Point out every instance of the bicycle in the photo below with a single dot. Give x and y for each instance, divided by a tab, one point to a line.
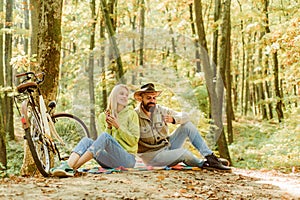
47	133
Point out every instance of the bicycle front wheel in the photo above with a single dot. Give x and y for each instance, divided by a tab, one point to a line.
71	130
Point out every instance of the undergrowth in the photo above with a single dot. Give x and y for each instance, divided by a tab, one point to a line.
257	145
15	155
265	145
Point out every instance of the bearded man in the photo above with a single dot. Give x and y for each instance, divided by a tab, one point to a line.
158	148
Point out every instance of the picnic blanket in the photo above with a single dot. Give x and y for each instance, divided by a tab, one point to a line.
140	166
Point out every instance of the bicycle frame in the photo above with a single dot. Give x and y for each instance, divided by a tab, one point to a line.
40	123
46	124
39	132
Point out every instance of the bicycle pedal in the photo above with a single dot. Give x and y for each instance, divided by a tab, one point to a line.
65	158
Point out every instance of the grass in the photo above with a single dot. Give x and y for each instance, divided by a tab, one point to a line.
257	145
265	145
15	155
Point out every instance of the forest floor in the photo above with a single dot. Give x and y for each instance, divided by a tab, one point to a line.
157	184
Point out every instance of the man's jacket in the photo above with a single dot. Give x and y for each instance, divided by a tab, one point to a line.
153	130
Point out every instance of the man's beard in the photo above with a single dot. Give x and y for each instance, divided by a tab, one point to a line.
148	106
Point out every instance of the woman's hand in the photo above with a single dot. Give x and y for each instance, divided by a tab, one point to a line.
107	115
111	121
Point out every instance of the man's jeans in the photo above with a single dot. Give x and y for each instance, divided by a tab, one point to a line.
106	151
175	154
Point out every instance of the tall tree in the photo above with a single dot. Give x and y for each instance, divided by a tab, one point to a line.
133	20
225	69
3	157
260	85
142	33
216	91
26	25
217	13
243	61
46	43
102	63
247	76
34	16
197	56
91	71
279	103
9	122
49	45
111	34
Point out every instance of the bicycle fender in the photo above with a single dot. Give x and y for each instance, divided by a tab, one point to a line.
24	116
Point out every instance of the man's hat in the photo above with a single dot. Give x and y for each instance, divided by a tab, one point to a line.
147	88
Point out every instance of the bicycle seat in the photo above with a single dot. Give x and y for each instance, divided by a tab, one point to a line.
24	86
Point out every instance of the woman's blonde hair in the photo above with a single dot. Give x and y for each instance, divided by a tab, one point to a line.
112	99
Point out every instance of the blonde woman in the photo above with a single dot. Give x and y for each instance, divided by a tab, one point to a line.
116	145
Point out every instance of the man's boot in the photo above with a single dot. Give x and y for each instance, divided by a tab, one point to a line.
224	161
213	163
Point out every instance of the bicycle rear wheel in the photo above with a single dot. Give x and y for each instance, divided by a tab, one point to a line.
37	142
71	130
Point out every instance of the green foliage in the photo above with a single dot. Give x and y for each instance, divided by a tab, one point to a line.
21	62
267	145
257	145
15	154
200	93
2	172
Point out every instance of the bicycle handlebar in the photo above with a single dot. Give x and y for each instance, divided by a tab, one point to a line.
36	76
24	74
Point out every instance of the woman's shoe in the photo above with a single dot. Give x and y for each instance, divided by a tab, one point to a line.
64	170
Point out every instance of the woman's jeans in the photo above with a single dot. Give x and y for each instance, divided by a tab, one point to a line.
175	154
106	151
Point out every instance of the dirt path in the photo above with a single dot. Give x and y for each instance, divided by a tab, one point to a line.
156	184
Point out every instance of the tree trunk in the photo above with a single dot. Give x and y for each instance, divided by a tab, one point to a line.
26	25
243	81
269	96
9	119
142	34
132	20
102	65
260	85
261	89
279	103
247	84
217	10
113	42
49	45
227	36
224	63
34	13
3	157
46	42
197	55
295	93
173	42
28	166
91	73
215	90
266	64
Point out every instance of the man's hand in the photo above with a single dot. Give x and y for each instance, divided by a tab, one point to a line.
168	119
